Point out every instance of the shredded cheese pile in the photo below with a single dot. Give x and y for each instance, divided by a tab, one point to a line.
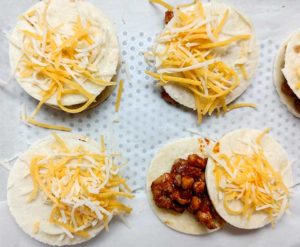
188	58
59	63
83	187
251	181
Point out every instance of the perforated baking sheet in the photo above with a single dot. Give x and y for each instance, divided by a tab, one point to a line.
146	122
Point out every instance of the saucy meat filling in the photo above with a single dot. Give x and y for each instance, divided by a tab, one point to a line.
168	98
168	16
285	88
184	188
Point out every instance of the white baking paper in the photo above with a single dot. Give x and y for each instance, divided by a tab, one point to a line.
146	122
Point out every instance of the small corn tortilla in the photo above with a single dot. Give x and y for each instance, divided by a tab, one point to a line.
66	11
236	141
162	162
279	79
236	23
20	185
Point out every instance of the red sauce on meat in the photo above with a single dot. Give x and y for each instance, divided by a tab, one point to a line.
184	188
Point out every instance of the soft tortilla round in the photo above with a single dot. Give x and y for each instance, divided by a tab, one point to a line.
235	141
292	62
279	79
66	11
20	185
236	23
162	162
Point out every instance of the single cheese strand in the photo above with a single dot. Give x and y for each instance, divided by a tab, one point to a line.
70	110
221	24
33	35
162	3
45	98
201	8
262	135
102	142
114	194
239	105
61	143
183	69
35	190
172	78
224	42
45	125
196	37
36	227
198	107
229	209
119	95
244	71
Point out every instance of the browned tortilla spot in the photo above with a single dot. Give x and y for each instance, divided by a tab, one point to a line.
297	48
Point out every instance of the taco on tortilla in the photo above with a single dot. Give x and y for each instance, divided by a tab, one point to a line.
176	187
286	73
205	56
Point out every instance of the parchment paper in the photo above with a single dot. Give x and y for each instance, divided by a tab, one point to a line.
146	122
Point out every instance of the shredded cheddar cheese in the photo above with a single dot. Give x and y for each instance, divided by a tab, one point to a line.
59	64
119	95
83	187
251	182
187	54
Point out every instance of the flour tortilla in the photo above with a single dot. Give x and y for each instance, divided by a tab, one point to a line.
236	24
162	162
279	79
66	11
292	62
235	141
20	185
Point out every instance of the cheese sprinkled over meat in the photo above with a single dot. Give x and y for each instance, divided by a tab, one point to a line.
188	53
